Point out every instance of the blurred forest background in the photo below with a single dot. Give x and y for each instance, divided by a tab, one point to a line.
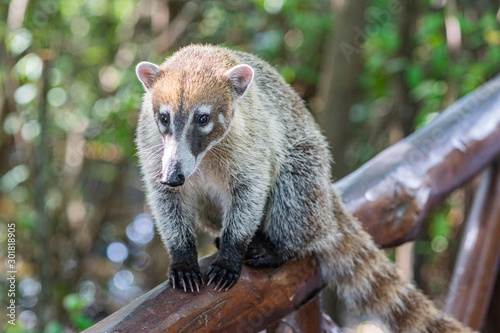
371	72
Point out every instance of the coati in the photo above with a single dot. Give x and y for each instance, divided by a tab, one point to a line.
224	142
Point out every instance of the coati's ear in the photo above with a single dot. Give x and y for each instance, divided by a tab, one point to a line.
147	73
240	76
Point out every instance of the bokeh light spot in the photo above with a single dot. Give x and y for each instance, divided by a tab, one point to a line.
141	230
25	93
117	252
123	279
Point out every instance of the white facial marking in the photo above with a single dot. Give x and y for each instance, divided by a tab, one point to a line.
188	160
222	120
207	128
187	127
204	109
175	152
169	152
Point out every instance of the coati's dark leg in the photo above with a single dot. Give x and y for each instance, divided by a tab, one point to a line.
299	204
240	222
259	248
225	270
262	252
175	223
184	272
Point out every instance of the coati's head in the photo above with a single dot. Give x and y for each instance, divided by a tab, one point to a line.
193	95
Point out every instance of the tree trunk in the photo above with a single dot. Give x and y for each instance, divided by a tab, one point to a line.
337	91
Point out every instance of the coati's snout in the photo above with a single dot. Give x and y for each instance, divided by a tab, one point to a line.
178	163
173	176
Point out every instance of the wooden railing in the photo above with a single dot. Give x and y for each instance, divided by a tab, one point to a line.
390	195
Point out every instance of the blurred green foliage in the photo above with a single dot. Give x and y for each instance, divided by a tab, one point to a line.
75	305
76	59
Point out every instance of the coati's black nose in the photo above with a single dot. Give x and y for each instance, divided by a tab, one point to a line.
174	178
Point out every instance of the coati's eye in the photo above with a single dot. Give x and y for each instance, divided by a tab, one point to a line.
164	119
203	119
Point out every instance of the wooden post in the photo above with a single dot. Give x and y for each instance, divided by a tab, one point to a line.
479	257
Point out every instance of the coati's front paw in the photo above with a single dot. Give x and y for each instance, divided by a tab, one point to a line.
187	278
261	252
224	274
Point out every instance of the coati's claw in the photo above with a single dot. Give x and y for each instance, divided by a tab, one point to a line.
198	280
222	276
210	280
212	273
228	282
186	280
231	285
190	282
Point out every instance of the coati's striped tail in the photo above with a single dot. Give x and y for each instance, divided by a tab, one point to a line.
371	284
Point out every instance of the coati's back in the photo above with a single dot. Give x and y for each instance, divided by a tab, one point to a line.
286	104
293	124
